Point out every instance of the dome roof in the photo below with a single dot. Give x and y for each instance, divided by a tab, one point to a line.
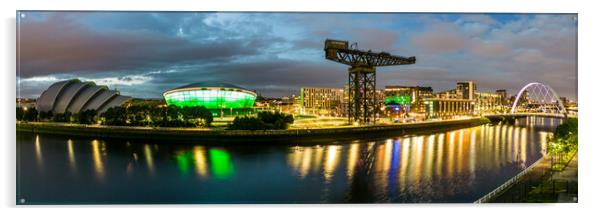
209	85
211	95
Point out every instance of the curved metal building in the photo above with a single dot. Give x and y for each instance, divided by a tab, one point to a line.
75	96
211	96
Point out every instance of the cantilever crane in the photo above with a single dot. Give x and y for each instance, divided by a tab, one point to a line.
362	104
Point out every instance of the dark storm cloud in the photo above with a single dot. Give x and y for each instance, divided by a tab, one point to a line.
143	54
267	77
58	44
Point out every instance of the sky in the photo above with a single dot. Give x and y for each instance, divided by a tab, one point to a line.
143	54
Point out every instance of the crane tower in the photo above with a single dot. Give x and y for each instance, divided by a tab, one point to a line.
362	104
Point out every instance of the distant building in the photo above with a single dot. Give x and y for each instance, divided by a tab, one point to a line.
486	102
447	108
449	94
410	98
26	103
322	100
288	100
288	104
466	90
564	101
503	95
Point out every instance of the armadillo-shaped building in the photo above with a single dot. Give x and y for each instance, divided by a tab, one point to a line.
75	96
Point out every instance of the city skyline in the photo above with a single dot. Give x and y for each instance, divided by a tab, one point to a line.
143	54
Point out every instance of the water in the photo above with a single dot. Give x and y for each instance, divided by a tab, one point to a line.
455	166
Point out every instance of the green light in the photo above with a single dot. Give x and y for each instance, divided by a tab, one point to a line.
221	165
401	99
211	98
183	160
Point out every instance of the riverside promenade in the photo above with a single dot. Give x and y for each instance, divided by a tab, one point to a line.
541	185
130	132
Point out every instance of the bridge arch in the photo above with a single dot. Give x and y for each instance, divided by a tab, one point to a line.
542	94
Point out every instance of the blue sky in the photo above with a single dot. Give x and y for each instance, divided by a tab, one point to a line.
143	54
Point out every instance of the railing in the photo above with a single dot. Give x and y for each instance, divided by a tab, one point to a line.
532	114
508	183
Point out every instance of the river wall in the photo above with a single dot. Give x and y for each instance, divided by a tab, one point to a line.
150	133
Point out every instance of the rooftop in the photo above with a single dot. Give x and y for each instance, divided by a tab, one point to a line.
210	84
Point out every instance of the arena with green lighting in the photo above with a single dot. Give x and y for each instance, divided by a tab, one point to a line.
211	96
398	99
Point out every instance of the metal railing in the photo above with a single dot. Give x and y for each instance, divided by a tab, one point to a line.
508	183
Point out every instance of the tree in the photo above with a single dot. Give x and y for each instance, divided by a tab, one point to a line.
86	116
139	115
115	116
276	120
247	123
158	116
30	114
566	129
263	121
20	113
197	115
46	115
62	117
173	113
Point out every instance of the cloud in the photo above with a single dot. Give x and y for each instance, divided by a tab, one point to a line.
491	49
60	45
479	18
143	54
529	56
441	38
271	77
376	39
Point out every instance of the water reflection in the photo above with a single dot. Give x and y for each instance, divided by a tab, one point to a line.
38	146
183	160
200	160
97	158
332	160
72	163
418	161
221	165
149	159
352	159
458	165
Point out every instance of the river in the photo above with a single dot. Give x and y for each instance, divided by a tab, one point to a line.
455	166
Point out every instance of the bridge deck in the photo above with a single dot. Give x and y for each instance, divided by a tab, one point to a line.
557	115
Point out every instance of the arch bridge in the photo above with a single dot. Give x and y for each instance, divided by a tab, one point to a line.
537	99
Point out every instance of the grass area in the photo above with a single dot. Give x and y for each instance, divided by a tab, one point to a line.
548	191
299	117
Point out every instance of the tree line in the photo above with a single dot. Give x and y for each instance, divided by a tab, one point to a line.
133	115
565	137
161	116
564	144
263	121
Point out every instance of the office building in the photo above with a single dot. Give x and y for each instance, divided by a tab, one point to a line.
466	90
322	100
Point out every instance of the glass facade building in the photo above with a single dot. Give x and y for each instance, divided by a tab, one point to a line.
211	96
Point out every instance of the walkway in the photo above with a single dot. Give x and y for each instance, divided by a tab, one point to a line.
570	176
538	186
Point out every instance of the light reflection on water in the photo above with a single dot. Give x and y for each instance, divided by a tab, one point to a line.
98	162
200	161
454	166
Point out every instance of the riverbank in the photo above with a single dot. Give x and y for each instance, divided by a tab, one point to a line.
150	133
541	185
